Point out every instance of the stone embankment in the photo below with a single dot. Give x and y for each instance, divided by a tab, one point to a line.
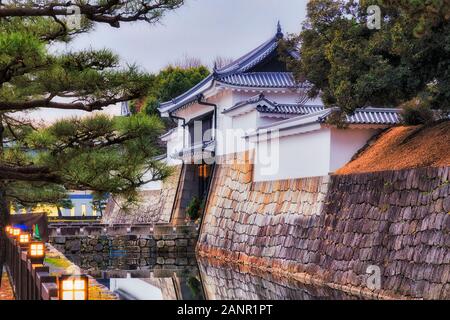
59	264
154	206
338	231
103	250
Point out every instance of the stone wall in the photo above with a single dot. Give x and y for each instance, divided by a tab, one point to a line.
330	230
106	252
155	205
109	252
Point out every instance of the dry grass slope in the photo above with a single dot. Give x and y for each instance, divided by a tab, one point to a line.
404	147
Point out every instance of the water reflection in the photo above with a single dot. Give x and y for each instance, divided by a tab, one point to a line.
235	282
188	278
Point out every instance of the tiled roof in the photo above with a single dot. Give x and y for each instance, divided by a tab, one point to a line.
370	115
367	115
269	106
168	133
254	99
260	79
160	157
289	108
361	116
250	59
189	96
237	74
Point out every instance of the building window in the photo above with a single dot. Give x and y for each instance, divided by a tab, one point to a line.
200	129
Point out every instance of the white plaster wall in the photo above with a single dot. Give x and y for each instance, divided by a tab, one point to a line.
225	99
153	185
174	144
296	156
233	136
345	143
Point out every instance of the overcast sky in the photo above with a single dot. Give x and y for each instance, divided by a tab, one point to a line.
201	28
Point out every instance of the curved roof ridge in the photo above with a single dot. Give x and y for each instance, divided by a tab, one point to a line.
236	70
246	61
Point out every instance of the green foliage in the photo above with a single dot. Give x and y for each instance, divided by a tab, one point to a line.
352	66
29	194
170	83
107	155
57	262
100	152
415	112
195	286
193	208
173	81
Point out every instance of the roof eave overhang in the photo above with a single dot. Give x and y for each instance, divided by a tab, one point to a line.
278	115
271	134
196	153
244	109
190	97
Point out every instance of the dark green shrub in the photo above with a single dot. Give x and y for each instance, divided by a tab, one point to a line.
196	287
414	113
193	208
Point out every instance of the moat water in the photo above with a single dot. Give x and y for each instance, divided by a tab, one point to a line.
186	277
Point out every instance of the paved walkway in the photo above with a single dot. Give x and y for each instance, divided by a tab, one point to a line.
6	292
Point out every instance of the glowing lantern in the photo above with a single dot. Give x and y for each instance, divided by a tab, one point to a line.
73	287
10	232
16	232
36	252
24	239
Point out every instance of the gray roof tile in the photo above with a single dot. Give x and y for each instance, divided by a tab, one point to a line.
370	115
261	80
289	108
237	74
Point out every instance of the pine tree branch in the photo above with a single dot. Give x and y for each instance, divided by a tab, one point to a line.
48	103
112	12
28	173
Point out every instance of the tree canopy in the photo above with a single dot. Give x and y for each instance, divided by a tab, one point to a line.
168	84
100	153
351	65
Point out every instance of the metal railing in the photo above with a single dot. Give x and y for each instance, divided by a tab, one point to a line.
30	281
30	278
